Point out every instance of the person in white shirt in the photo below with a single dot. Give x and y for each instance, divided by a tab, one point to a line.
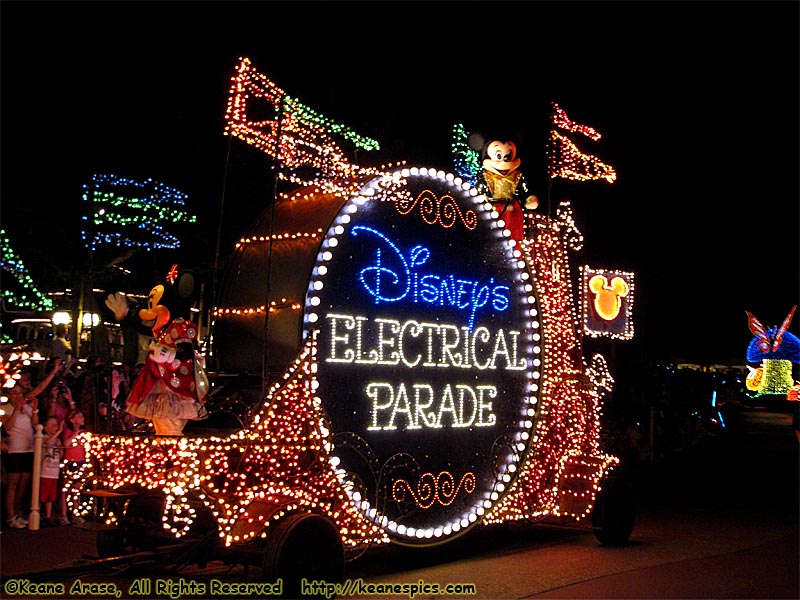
20	422
60	346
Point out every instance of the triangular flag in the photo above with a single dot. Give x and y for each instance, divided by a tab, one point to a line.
293	134
564	158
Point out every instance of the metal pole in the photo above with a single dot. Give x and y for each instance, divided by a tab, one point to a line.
277	174
77	318
219	223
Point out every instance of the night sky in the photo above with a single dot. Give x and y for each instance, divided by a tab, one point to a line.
697	103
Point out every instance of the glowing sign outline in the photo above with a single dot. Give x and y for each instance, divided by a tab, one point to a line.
516	435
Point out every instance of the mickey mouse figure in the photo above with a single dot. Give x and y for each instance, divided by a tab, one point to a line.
172	387
502	182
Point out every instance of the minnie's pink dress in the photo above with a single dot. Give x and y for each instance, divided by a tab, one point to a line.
172	386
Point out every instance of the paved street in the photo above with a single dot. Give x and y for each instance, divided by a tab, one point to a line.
717	521
720	521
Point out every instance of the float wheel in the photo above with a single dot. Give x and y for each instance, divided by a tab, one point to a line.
304	546
142	526
110	542
614	512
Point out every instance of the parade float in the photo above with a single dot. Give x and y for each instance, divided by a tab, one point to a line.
411	371
775	350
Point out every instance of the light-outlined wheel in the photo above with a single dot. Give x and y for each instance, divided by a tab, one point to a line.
304	546
614	512
143	527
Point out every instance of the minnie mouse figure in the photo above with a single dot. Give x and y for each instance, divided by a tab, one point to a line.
502	182
172	386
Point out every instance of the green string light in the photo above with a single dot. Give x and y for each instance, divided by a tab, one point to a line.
30	296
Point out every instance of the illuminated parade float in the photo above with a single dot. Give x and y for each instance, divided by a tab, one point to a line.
411	370
774	350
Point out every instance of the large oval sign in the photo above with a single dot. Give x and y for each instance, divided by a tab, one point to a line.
428	352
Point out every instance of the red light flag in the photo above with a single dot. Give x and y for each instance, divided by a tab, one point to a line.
564	158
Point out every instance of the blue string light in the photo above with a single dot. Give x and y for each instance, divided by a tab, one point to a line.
127	213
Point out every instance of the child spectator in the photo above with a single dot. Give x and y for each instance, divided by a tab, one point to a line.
74	457
52	450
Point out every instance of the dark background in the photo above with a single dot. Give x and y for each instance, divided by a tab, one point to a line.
697	103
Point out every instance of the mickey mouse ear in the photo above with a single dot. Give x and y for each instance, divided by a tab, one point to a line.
476	141
185	284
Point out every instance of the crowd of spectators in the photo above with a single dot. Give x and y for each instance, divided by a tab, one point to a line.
19	420
66	396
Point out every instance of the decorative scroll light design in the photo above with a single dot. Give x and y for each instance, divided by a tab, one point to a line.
401	465
433	210
434	488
